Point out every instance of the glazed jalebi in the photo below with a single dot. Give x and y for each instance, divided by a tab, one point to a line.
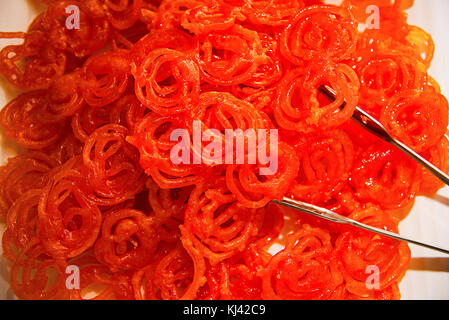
97	187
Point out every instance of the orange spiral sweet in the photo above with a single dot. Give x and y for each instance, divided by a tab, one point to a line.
157	136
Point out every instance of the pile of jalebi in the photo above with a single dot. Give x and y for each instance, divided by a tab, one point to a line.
97	188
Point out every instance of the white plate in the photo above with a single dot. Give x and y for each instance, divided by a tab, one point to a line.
428	277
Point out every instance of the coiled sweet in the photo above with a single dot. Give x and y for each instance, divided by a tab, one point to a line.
157	135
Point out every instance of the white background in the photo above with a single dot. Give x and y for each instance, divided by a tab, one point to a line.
428	277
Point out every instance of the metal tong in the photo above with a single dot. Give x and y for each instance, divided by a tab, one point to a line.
371	124
334	217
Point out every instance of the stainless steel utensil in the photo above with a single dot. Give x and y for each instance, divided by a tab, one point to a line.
336	218
371	124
